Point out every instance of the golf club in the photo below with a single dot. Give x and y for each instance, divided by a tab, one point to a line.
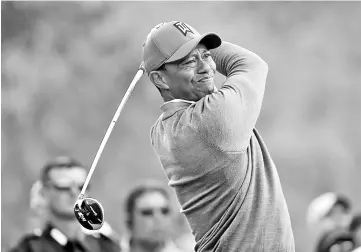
88	211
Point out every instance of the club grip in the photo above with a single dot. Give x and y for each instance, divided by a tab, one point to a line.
141	67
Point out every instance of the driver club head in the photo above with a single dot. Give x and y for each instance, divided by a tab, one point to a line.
89	213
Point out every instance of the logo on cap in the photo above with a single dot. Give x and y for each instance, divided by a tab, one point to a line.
183	28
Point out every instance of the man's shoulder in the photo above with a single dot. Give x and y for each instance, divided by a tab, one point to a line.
155	127
33	236
25	242
156	123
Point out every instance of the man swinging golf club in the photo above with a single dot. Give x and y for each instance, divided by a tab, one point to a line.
88	211
206	140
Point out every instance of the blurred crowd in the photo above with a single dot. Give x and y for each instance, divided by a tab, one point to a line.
150	216
64	60
333	223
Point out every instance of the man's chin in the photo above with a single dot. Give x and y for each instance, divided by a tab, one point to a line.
204	92
211	90
153	242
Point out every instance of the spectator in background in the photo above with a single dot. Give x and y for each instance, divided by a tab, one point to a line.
53	199
149	218
38	209
355	229
337	240
327	212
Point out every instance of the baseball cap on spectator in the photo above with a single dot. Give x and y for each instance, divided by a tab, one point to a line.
171	41
321	206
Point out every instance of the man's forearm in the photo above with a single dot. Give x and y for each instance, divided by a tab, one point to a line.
232	112
233	60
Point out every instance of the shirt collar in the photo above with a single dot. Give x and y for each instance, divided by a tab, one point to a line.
58	236
179	100
170	107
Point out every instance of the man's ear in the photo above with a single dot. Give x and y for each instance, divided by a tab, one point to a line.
158	79
37	197
42	190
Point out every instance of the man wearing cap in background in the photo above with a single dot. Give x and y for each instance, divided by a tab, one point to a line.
52	199
215	159
38	210
327	212
150	219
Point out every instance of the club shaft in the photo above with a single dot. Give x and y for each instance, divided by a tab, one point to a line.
110	129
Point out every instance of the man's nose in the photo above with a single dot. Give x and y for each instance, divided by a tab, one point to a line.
74	190
158	216
203	66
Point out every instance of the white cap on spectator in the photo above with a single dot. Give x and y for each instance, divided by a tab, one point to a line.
320	207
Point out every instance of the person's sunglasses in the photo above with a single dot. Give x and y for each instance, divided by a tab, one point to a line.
65	188
148	212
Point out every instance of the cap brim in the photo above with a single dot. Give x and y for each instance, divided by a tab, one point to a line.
210	40
320	207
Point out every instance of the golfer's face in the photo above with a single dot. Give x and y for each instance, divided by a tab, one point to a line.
63	189
192	77
152	217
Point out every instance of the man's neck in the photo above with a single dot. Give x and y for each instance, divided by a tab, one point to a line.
167	96
70	228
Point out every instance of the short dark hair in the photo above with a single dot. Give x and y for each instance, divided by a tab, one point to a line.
137	192
56	163
355	222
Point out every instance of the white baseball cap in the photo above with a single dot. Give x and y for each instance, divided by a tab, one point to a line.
322	205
